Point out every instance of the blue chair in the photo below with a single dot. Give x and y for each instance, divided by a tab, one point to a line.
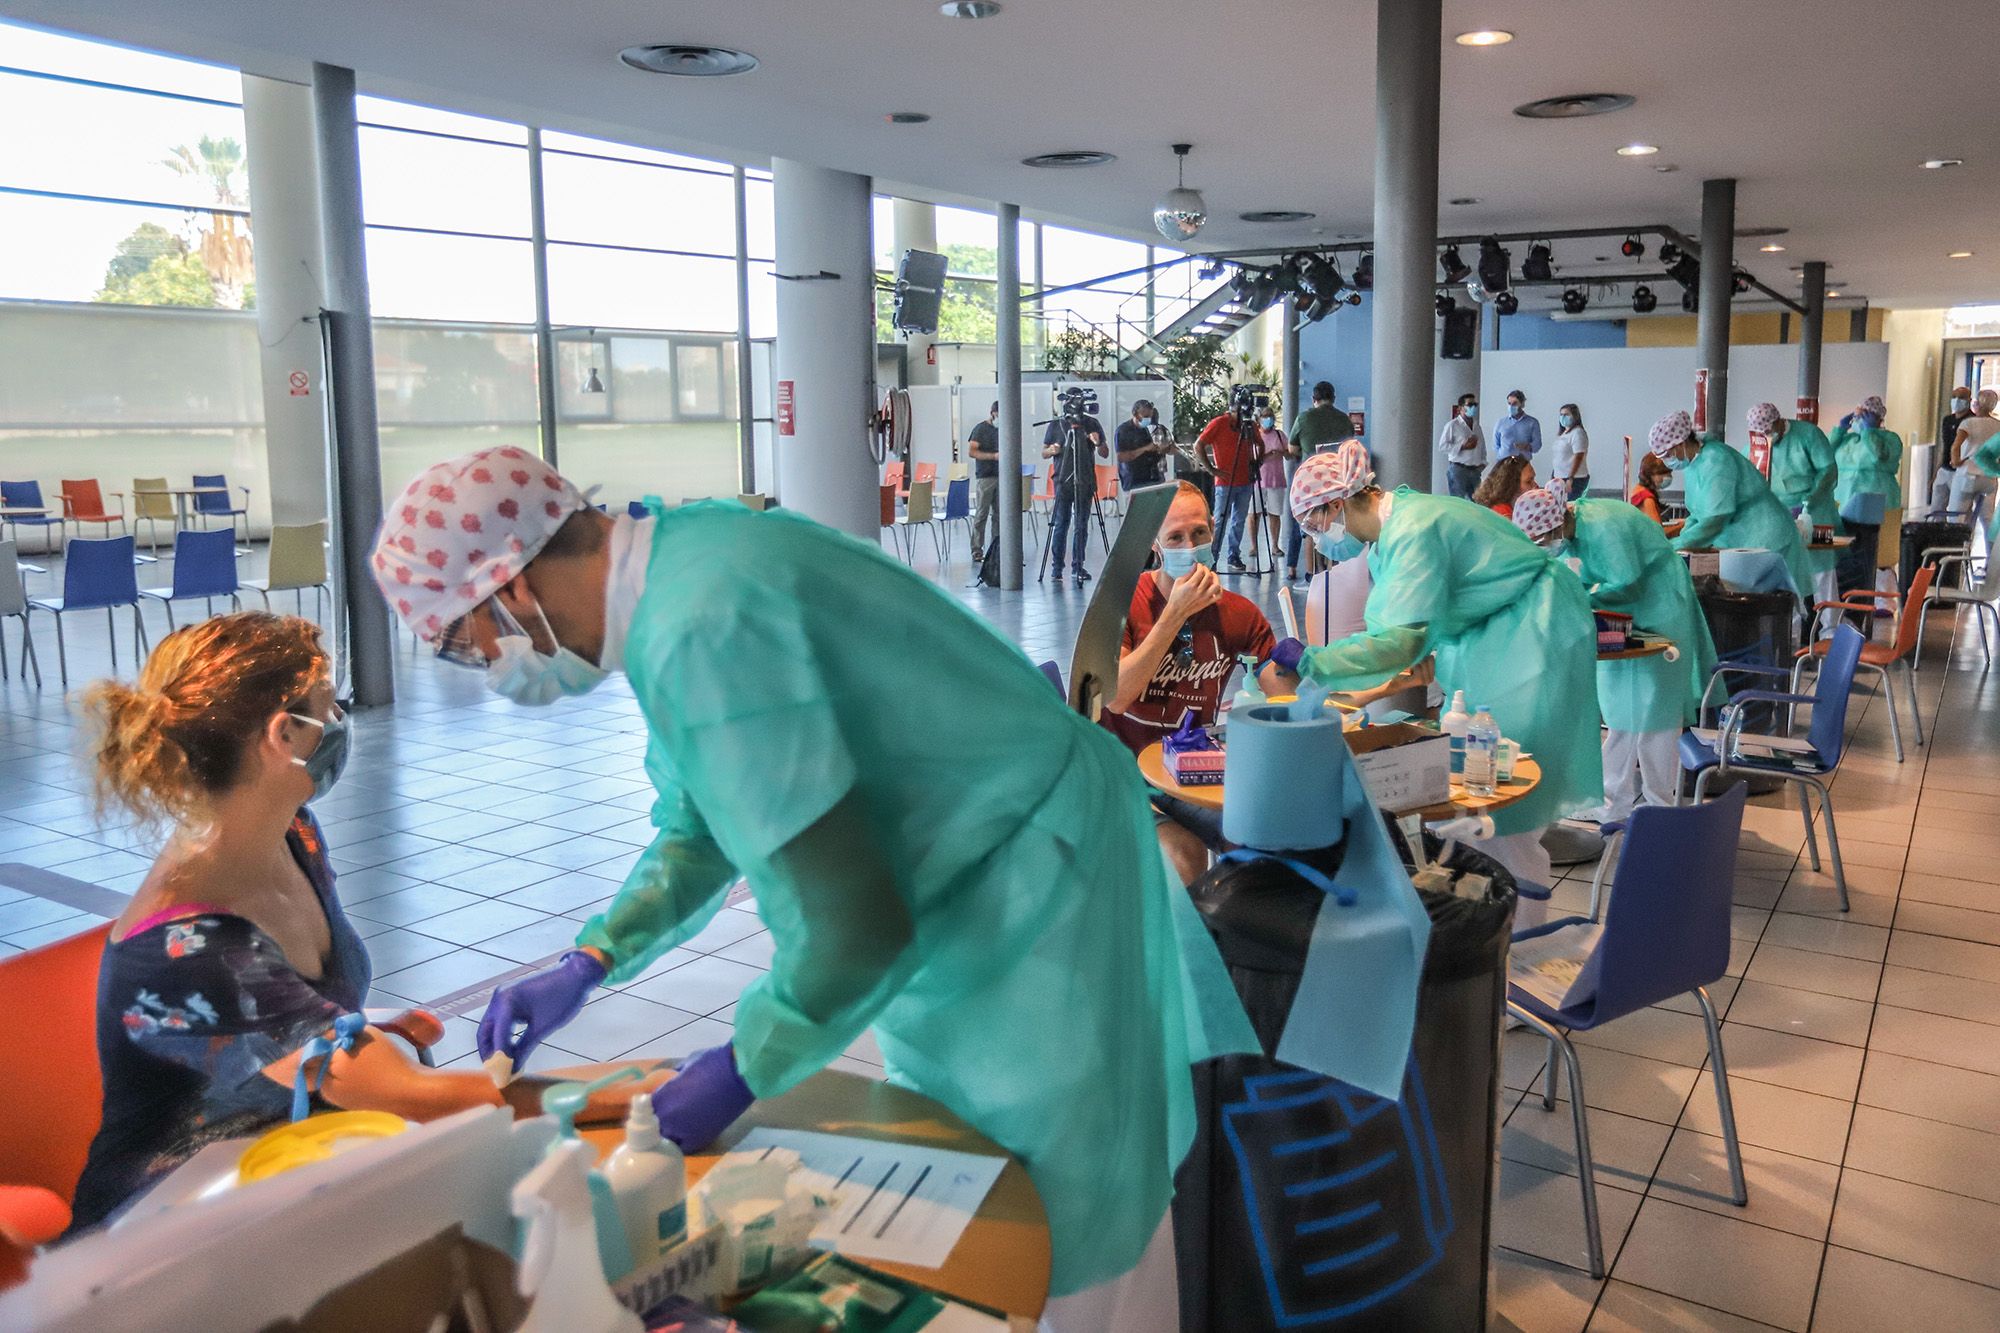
1665	934
97	575
28	495
957	509
204	567
14	603
1054	673
211	500
1812	766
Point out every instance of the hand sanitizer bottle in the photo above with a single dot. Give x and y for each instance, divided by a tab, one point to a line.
648	1178
1455	724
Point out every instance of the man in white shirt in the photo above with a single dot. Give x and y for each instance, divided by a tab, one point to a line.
1464	448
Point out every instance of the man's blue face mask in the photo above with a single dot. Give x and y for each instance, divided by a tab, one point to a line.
1179	561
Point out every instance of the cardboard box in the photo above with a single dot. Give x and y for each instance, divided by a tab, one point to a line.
1404	766
1703	563
1196	768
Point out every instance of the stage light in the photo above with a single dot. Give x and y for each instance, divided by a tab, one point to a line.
1633	248
1364	272
1539	266
1507	303
1453	266
1493	265
1445	305
1574	301
1643	300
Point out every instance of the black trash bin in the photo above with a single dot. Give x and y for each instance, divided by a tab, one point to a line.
1308	1203
1920	535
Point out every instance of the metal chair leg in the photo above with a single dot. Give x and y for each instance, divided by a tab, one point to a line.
1832	838
1719	1070
1923	614
1910	688
62	653
28	652
111	633
1586	1165
1895	727
171	626
1805	814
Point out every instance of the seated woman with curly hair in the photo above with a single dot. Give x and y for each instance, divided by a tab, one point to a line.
1504	483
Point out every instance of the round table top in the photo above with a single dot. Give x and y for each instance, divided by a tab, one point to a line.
1837	544
1646	648
1527	776
1001	1262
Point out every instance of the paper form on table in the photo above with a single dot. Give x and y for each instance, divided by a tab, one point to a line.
898	1202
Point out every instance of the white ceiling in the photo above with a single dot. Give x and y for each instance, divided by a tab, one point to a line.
1276	95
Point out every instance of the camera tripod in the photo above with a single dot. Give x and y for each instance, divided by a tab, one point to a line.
1249	441
1082	469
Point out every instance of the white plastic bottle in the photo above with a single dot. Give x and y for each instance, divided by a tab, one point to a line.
1249	692
648	1179
1455	724
1482	754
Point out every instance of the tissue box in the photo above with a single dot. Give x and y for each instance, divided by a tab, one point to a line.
1612	630
765	1211
1194	765
1403	766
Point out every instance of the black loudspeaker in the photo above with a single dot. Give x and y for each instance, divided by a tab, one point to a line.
919	285
1461	334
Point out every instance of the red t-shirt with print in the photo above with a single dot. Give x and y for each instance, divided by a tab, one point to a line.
1195	668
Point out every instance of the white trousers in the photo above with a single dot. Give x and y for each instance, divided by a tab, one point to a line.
1826	588
1147	1299
1525	858
1640	767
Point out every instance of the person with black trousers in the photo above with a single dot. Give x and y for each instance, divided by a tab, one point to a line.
1140	456
984	446
1076	488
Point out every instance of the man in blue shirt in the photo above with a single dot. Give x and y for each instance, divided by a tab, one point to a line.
1517	432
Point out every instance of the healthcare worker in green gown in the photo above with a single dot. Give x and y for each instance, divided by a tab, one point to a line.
1628	566
1803	476
1728	501
1870	458
1509	626
1987	459
992	903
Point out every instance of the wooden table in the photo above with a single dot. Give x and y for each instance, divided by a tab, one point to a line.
1837	544
1002	1260
1527	776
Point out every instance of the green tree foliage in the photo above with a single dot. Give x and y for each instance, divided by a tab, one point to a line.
153	266
1201	372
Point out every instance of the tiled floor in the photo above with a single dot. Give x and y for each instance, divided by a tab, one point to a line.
473	837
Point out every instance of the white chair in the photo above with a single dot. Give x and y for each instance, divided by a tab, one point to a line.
1980	599
13	603
297	562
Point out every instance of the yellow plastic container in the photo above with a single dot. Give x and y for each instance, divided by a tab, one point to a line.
315	1139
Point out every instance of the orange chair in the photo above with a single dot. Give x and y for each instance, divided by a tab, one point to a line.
1879	657
1107	488
53	1096
892	477
926	472
83	502
1047	496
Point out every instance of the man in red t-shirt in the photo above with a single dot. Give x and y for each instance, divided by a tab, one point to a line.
1232	453
1183	634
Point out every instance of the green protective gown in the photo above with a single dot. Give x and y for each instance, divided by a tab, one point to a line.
1987	459
1510	627
1803	474
1869	460
1629	566
1731	505
1023	964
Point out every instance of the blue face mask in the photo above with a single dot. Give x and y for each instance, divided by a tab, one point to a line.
329	757
525	675
1470	411
1349	547
1179	561
1265	422
1567	420
1515	410
1674	462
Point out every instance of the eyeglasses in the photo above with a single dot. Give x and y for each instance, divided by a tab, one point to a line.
456	646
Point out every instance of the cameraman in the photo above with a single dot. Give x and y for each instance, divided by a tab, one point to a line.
1231	447
1071	439
1139	454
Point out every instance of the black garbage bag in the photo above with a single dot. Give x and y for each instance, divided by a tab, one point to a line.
1308	1203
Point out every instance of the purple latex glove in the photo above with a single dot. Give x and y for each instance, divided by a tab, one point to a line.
701	1101
1285	656
540	1004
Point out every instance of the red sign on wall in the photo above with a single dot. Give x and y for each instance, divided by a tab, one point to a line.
1809	410
787	420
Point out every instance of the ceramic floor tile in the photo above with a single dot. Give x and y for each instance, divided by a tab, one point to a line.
1631	1085
1531	1295
560	893
686	1040
1926	1228
393	949
545	937
1959	958
1541	1213
1941	993
1776	965
700	987
1802	1013
1782	1119
1957	859
1786	1193
1625	1308
1845	938
1933	1091
724	930
1934	1037
406	907
479	921
617	1022
1721	994
1950	922
1624	1149
1925	1152
443	975
754	950
1770	1275
1809	895
1860	1293
1827	1068
1952	892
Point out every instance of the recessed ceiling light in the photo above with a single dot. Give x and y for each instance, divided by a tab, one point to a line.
1484	37
694	62
1463	200
1639	150
1959	254
1940	163
1278	215
1772	249
907	117
969	9
1074	157
1573	105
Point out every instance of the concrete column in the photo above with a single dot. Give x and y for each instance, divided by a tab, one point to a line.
545	337
357	446
826	346
1408	39
1288	371
1812	337
284	211
916	229
746	398
1007	308
1718	269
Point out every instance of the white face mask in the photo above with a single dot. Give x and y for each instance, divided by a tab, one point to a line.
525	675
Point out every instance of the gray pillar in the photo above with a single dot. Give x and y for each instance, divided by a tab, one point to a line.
1812	336
357	446
1007	308
916	229
545	335
284	208
1408	39
826	346
746	399
1288	373
1718	269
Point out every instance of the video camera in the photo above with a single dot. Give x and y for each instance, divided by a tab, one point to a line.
1075	402
1249	402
